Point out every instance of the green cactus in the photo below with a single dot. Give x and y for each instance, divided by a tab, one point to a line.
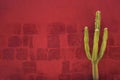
96	56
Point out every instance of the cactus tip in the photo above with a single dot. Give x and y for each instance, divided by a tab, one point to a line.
96	29
98	11
105	28
86	27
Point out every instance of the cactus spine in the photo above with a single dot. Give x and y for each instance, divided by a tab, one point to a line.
96	56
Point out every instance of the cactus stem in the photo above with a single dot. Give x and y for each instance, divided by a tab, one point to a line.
95	73
96	56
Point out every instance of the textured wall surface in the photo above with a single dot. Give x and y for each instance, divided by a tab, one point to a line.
43	39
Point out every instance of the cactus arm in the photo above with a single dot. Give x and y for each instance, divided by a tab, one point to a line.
103	45
86	43
97	20
95	45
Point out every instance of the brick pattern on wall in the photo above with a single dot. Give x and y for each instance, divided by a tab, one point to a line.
71	60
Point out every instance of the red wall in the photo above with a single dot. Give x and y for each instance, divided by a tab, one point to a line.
43	39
